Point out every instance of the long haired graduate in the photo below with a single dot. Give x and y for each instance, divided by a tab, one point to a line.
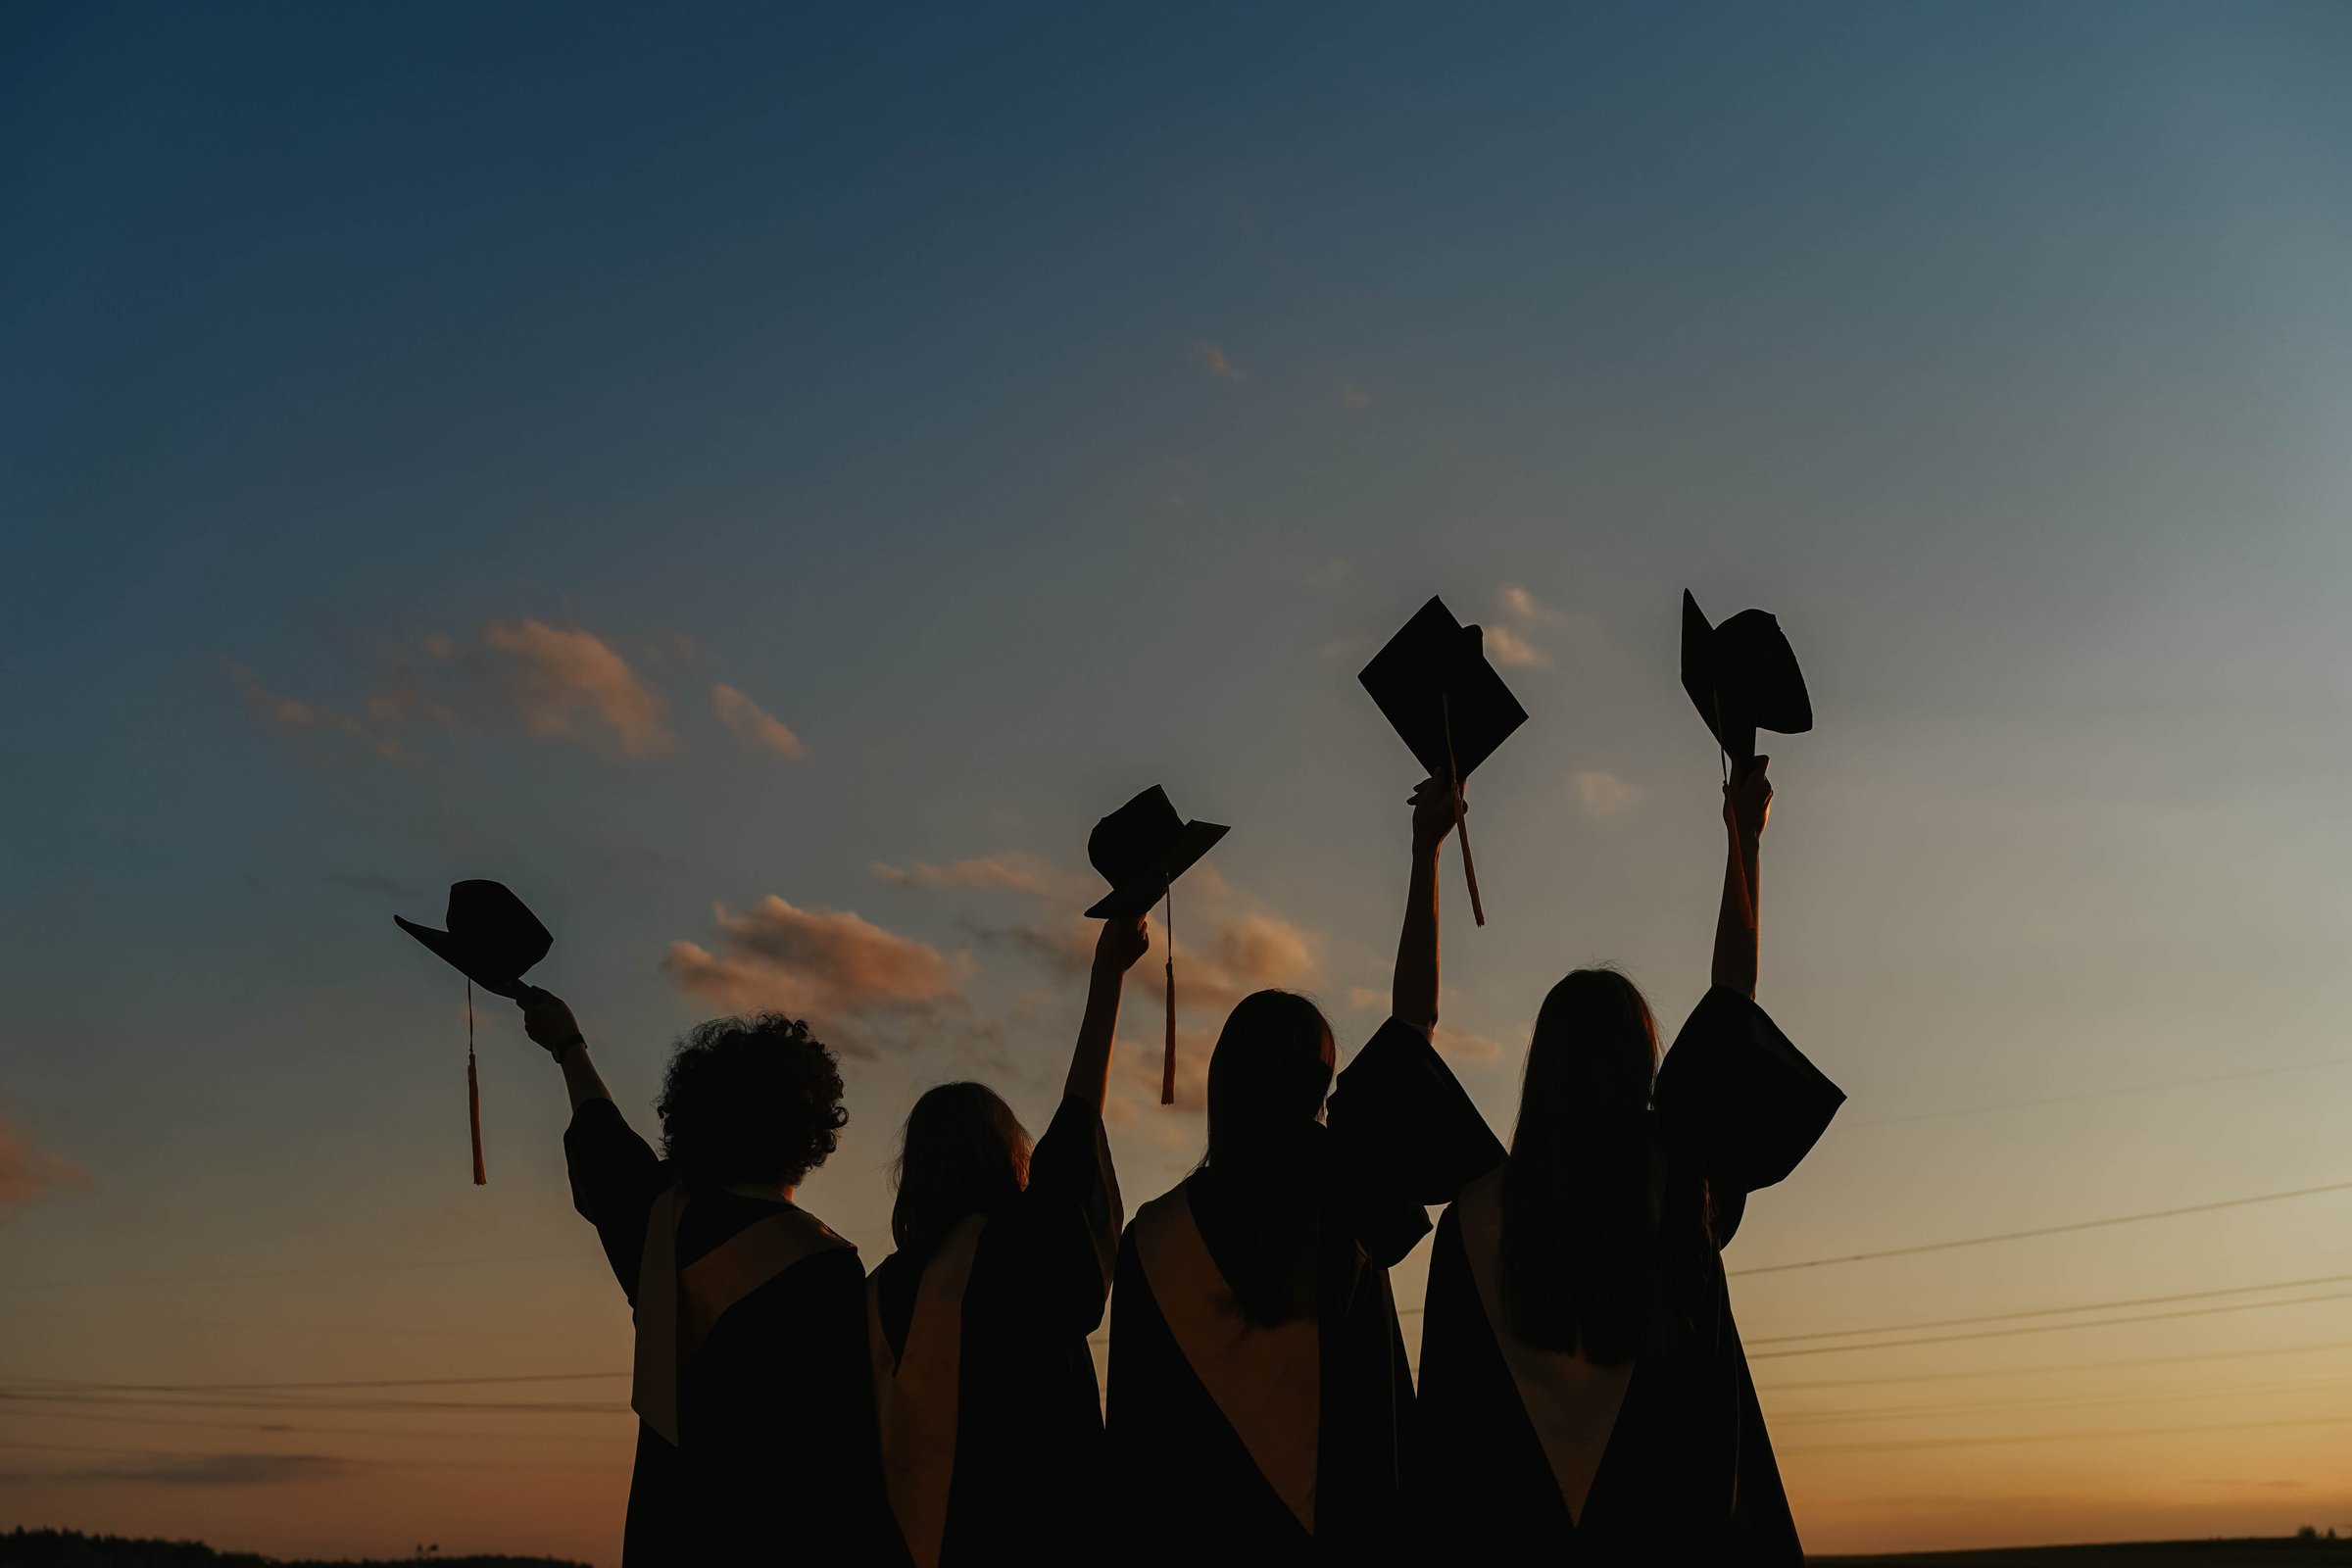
1259	1395
991	1421
1584	1394
755	1432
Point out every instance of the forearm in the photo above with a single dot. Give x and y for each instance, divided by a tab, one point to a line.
580	1078
1090	1059
1737	921
1413	988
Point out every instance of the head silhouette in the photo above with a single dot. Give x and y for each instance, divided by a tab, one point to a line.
1579	1192
1267	1082
963	1153
750	1101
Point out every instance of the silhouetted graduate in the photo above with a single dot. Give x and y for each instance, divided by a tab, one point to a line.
755	1439
1584	1394
1260	1400
991	1419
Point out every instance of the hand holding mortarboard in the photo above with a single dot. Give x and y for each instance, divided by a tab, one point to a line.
1434	685
492	939
1741	677
1142	849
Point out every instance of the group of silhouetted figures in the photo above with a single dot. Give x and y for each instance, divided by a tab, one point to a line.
1582	1396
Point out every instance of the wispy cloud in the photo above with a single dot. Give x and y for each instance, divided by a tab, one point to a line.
820	964
1603	794
1354	398
1507	647
1523	606
1018	873
375	884
754	726
295	716
1214	359
568	682
201	1470
29	1173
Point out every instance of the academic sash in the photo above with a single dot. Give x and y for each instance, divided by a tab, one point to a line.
1571	1403
676	1308
1267	1383
916	1398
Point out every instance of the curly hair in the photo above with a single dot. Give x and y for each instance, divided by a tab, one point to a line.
751	1100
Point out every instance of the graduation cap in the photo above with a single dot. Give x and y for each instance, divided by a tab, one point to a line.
1434	685
1742	677
492	938
1142	849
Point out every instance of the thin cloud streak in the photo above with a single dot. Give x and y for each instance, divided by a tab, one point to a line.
757	728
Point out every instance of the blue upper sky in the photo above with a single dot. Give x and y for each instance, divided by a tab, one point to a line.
415	419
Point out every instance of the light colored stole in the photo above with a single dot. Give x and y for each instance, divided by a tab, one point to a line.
1571	1403
916	1398
1267	1383
676	1308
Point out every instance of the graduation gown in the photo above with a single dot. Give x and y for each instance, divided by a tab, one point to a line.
1685	1469
1235	1443
774	1460
991	1421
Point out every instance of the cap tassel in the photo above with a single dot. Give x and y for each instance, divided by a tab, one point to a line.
1168	1056
1461	822
474	1093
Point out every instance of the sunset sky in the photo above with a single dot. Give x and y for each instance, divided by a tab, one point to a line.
763	480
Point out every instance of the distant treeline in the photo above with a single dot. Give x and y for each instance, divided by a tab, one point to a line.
70	1549
2310	1549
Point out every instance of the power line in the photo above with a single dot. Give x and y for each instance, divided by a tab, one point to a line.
374	1383
168	1455
2068	1436
1917	1413
2049	1368
289	1273
2044	1230
2046	1311
2050	1328
535	1336
14	1397
339	1432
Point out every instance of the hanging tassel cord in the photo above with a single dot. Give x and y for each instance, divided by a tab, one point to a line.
1168	1056
474	1093
1461	822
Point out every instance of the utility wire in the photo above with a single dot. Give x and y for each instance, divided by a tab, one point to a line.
290	1273
2068	1437
2046	1230
376	1383
2049	1368
2047	1311
2050	1328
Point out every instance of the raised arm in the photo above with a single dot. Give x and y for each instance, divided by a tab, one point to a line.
1746	804
1117	951
546	1018
1413	989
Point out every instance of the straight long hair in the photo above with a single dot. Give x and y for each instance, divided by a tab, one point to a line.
1267	1081
1580	1264
963	1153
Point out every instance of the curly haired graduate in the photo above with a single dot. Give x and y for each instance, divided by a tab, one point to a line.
755	1432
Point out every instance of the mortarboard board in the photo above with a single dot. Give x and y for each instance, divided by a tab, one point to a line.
1433	684
1142	849
1742	677
492	938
